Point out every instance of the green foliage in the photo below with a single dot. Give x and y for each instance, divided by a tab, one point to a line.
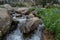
32	9
40	12
51	19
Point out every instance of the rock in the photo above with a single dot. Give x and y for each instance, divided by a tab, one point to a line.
30	15
14	13
5	21
7	6
18	15
11	11
30	25
23	10
34	13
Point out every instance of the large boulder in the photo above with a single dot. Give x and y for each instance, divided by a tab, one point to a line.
5	21
30	25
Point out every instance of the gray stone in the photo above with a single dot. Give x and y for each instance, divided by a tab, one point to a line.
5	21
22	10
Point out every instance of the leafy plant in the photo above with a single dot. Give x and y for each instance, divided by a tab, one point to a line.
32	9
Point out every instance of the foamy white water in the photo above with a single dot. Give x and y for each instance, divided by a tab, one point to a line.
17	35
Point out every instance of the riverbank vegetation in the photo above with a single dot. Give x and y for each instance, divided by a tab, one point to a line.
51	19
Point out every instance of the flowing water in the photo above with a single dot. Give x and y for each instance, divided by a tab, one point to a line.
18	35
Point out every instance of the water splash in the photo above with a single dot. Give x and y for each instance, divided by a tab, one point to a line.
15	35
18	35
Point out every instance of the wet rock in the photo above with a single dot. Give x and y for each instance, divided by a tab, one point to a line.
14	13
23	10
11	11
18	15
30	25
34	13
5	21
31	15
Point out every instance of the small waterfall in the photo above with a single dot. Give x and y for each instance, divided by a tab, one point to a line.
18	35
